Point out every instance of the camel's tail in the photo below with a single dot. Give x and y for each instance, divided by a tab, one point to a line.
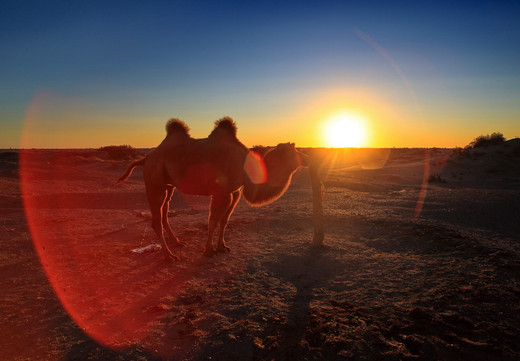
130	169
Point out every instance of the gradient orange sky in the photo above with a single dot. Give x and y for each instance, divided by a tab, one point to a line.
419	74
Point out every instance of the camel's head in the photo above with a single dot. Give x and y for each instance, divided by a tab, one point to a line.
287	154
270	175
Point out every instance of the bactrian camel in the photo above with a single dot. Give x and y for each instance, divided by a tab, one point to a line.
219	166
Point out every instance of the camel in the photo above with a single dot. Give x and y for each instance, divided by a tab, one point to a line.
219	166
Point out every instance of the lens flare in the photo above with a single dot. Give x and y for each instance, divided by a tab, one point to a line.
255	168
84	245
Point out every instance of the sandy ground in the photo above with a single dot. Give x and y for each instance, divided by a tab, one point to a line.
411	268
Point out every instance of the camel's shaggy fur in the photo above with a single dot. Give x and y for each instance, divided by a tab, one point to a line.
175	125
212	166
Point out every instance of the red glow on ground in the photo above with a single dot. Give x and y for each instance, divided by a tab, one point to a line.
68	269
115	298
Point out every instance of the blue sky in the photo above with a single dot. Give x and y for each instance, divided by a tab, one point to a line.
87	74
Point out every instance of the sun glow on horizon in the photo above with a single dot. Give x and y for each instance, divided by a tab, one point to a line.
345	130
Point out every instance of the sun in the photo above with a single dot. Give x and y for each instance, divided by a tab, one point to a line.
345	130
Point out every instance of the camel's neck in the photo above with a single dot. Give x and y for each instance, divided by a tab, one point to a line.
278	180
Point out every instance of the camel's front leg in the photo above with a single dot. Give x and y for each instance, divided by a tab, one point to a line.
165	223
220	203
156	200
221	245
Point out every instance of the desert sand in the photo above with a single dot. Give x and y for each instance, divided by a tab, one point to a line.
421	261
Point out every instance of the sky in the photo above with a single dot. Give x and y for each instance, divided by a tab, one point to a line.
412	73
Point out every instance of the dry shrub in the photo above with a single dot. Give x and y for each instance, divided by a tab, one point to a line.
482	141
260	149
119	152
487	140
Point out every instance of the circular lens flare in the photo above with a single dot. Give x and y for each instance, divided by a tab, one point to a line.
84	246
255	168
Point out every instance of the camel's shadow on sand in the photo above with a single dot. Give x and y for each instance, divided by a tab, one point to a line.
285	335
308	271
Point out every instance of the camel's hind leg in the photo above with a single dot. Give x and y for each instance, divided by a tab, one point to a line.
165	208
156	200
220	203
221	245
